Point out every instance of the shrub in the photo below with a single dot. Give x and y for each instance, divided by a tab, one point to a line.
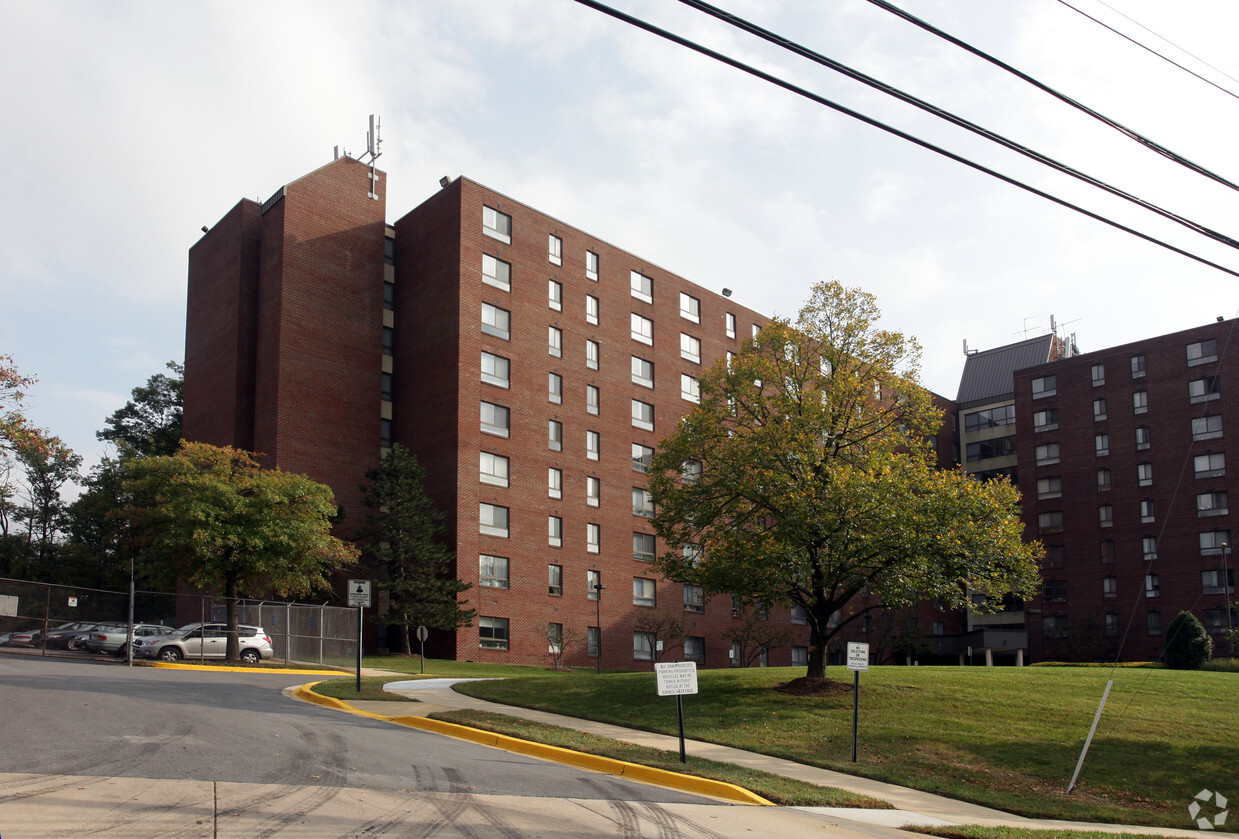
1187	644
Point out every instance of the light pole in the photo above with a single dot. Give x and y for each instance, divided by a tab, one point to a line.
598	587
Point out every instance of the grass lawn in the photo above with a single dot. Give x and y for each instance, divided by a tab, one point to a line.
1020	833
371	688
1004	737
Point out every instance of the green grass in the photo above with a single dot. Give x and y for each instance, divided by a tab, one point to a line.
371	689
780	790
440	668
1019	833
1006	738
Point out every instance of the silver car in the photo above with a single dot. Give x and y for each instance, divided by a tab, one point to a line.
210	640
112	639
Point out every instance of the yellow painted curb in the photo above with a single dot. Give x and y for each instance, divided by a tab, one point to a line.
555	754
167	665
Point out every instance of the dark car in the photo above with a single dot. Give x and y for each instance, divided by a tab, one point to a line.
72	636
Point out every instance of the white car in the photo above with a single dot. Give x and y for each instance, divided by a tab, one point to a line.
197	640
112	639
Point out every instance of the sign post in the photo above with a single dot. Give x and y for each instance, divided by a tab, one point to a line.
422	634
359	596
677	678
858	660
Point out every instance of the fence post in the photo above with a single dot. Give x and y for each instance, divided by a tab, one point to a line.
320	633
288	633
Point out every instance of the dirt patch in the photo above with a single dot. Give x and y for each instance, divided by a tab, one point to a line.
814	686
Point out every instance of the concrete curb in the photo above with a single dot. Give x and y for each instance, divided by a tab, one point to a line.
555	754
167	665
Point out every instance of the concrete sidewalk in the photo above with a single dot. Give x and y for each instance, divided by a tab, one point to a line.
911	806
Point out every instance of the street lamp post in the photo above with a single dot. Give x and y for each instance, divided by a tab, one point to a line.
598	587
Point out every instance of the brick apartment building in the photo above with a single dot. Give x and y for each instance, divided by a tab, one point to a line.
530	366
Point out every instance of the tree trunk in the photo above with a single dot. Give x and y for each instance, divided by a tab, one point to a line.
400	642
817	652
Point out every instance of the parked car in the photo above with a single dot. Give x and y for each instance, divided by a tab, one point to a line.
70	637
111	639
197	640
34	637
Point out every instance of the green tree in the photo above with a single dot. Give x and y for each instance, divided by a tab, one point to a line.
16	431
401	545
1188	646
149	424
804	476
215	519
48	465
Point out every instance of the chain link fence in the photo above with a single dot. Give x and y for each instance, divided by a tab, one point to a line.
299	632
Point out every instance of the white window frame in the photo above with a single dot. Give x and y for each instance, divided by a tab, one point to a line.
591	266
496	412
591	309
639	541
555	580
641	457
593	445
593	537
690	308
593	396
493	571
694	598
496	321
493	633
496	272
639	368
1044	386
554	249
690	348
644	592
1214	464
641	286
493	520
1207	427
593	353
1202	352
496	370
555	435
555	388
555	341
496	224
729	324
1047	454
493	469
555	531
1212	541
554	482
1140	401
1098	374
642	503
641	329
593	491
555	295
642	415
690	389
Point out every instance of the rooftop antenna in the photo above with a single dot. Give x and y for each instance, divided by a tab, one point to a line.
1053	326
374	145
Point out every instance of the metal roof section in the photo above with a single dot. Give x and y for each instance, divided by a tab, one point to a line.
988	375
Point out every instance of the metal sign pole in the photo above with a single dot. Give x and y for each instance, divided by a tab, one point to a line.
360	609
855	711
679	708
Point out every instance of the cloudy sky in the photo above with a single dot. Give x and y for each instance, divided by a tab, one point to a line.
129	125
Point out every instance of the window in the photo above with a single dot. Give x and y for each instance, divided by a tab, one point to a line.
593	491
555	388
1046	420
554	249
1202	352
1137	366
1047	455
494	369
1103	480
592	397
1111	623
1101	444
1144	474
555	341
385	433
385	383
494	419
1214	542
593	444
1043	386
1050	522
1203	390
989	418
690	471
388	338
1146	511
555	295
499	226
1143	438
1099	374
729	324
642	503
593	641
1140	401
642	372
591	309
555	435
641	457
642	546
593	584
495	321
642	415
1054	626
1109	587
591	265
554	482
1152	586
996	447
496	272
555	580
690	348
695	649
690	308
756	329
800	615
492	520
1054	591
643	593
642	287
800	656
1148	547
1209	465
592	354
1055	556
593	537
493	571
1099	410
690	388
555	638
1217	581
1153	623
1105	515
554	531
694	598
1207	427
493	633
642	329
1049	487
642	646
389	295
1211	504
1107	552
1219	620
493	469
692	554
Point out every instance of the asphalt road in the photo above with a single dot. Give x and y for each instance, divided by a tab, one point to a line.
96	748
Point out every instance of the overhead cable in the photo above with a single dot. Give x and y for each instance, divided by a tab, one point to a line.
821	100
1122	129
954	119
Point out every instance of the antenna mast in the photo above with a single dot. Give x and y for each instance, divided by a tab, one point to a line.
374	146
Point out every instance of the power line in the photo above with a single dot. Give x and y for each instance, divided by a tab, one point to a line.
1155	52
818	58
1122	129
821	100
